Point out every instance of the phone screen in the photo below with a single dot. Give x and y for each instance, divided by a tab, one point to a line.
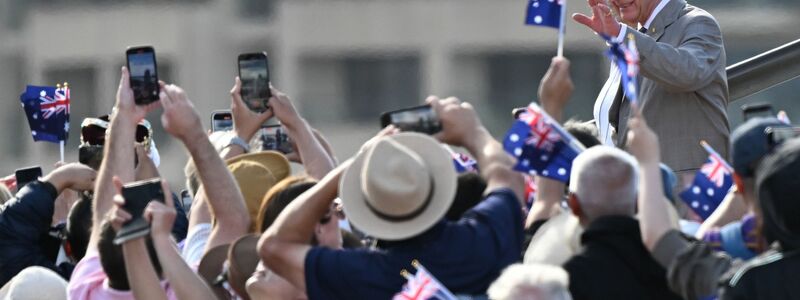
144	80
418	119
27	175
221	121
274	137
254	74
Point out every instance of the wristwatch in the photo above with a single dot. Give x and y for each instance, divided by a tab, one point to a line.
235	140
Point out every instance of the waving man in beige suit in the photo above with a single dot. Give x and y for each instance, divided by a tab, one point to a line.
683	88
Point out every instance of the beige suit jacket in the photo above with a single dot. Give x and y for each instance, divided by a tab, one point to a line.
683	87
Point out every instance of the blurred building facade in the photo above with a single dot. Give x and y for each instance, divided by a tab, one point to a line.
343	62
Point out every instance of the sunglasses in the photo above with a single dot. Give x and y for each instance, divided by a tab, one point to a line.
335	210
93	132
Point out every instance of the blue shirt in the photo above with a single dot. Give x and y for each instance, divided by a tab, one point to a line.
466	256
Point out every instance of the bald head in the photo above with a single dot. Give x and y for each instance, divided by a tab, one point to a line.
604	180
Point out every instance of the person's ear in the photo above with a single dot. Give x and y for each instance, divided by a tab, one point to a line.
739	182
574	205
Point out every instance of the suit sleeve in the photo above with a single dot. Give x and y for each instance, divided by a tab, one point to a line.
691	65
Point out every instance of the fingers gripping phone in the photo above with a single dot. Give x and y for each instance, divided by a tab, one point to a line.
137	195
27	175
254	74
221	120
143	74
418	119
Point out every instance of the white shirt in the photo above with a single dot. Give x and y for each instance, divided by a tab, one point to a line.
647	24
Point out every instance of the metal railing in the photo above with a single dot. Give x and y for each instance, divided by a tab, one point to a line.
764	71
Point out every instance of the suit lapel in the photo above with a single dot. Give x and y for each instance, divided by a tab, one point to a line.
668	15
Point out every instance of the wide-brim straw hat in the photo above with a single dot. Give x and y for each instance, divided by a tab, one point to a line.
256	173
399	186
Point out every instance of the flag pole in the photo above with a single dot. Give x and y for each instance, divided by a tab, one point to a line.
561	27
711	151
61	147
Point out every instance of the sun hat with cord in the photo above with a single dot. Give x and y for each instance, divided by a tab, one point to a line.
256	173
399	186
35	283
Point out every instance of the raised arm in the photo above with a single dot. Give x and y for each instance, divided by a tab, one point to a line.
555	90
118	152
315	158
245	121
224	198
462	127
186	283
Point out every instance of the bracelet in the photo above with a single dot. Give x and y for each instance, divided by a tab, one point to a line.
239	142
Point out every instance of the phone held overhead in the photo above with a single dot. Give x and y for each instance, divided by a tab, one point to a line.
143	74
418	119
137	195
254	74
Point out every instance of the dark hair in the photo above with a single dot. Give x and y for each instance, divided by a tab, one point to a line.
278	197
79	226
468	194
113	262
585	132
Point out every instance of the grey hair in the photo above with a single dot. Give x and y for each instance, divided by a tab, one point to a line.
605	179
531	281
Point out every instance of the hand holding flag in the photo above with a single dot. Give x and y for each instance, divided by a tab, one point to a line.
711	183
627	59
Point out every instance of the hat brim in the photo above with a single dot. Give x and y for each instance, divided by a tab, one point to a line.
442	173
242	259
211	266
274	161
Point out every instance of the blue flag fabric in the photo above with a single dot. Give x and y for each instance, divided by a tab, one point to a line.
627	59
464	163
541	146
47	109
711	183
544	13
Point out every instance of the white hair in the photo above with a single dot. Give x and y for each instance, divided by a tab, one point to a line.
532	282
605	179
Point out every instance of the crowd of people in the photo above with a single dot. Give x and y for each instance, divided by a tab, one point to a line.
249	227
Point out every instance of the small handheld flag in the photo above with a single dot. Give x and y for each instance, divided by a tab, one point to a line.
530	190
783	117
462	162
550	13
711	183
627	59
422	286
541	146
47	109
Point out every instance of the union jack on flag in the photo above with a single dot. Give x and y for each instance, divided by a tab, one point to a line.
423	286
47	109
462	162
711	183
530	190
627	59
540	145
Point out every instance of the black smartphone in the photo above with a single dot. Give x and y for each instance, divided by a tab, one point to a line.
137	195
274	137
254	74
27	175
418	119
750	111
143	73
781	134
221	120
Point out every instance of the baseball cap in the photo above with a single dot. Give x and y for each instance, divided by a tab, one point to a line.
750	143
777	185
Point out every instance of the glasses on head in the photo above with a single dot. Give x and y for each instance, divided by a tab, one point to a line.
93	132
335	210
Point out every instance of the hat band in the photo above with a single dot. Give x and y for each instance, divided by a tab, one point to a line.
407	216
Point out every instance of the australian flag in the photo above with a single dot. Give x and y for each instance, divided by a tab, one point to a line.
711	183
544	13
627	59
464	163
541	146
530	191
423	286
47	109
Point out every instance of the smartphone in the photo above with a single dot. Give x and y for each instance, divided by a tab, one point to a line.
27	175
137	195
143	74
221	120
757	110
274	137
254	74
418	119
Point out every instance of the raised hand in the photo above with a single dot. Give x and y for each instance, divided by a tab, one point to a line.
117	214
642	141
601	21
126	106
161	215
556	87
460	122
245	121
73	176
283	109
180	118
